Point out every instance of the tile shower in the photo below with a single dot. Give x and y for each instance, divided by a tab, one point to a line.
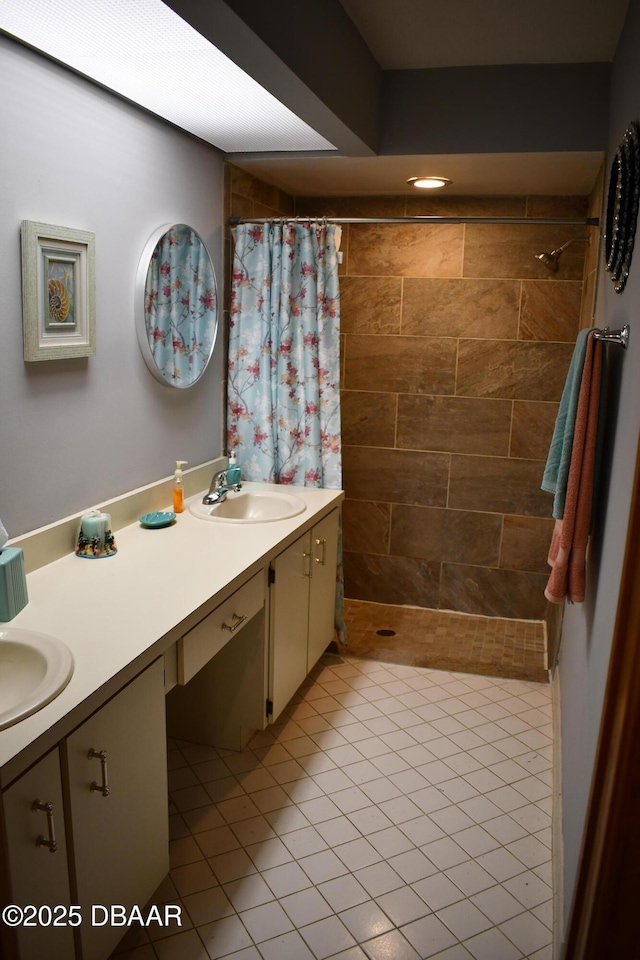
455	346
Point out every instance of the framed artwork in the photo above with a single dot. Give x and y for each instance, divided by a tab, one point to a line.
58	292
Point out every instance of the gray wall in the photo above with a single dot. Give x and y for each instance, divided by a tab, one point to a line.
588	628
76	432
499	109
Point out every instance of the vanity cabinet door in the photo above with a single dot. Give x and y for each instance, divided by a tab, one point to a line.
39	871
289	609
302	608
322	587
117	783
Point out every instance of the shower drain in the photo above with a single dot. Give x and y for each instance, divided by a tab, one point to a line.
385	633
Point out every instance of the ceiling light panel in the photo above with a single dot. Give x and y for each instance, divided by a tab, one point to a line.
144	51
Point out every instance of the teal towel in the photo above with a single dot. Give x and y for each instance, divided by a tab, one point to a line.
556	471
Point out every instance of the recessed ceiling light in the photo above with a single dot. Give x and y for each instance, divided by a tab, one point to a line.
145	52
428	183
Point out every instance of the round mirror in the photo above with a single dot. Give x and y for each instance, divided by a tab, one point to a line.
612	223
176	305
623	199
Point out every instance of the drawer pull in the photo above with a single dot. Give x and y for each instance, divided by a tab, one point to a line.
322	561
102	788
51	843
238	621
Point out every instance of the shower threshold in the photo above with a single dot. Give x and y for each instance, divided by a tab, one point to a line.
446	640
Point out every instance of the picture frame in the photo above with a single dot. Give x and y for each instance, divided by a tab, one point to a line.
58	292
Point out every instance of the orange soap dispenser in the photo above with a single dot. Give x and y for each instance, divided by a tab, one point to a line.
178	491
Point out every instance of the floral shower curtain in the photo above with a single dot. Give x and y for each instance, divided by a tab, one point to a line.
284	358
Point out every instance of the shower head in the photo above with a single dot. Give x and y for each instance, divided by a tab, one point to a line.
551	259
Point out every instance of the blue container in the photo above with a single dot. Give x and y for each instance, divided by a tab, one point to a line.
13	583
234	473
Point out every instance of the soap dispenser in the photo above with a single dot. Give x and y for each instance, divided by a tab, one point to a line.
178	491
234	473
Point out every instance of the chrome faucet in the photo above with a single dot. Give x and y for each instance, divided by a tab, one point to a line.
218	489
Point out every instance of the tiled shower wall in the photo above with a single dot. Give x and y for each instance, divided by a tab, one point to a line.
456	343
456	346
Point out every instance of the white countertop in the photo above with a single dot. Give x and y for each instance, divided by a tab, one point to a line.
118	614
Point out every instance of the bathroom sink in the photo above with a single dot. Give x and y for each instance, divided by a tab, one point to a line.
250	507
34	669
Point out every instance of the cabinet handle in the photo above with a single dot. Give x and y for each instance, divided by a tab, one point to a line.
323	544
51	843
238	621
103	787
309	572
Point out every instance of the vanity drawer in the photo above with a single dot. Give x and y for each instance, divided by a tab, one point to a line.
202	643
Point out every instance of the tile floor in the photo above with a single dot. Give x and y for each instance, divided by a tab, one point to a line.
445	640
393	813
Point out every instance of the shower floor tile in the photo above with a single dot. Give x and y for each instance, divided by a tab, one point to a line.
443	640
403	868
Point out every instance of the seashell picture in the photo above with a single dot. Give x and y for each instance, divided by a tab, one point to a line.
60	292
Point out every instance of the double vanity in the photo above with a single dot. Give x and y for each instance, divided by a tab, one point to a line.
205	629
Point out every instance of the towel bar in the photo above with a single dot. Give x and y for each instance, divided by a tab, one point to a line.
620	337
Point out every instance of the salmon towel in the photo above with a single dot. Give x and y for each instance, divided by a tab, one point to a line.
570	535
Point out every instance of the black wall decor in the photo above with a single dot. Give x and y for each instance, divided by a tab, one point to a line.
622	207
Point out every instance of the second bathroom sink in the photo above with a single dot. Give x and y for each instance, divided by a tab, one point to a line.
250	507
34	669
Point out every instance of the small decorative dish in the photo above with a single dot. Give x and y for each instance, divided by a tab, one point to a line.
160	518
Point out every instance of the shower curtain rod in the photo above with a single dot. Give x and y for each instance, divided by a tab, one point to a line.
555	221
